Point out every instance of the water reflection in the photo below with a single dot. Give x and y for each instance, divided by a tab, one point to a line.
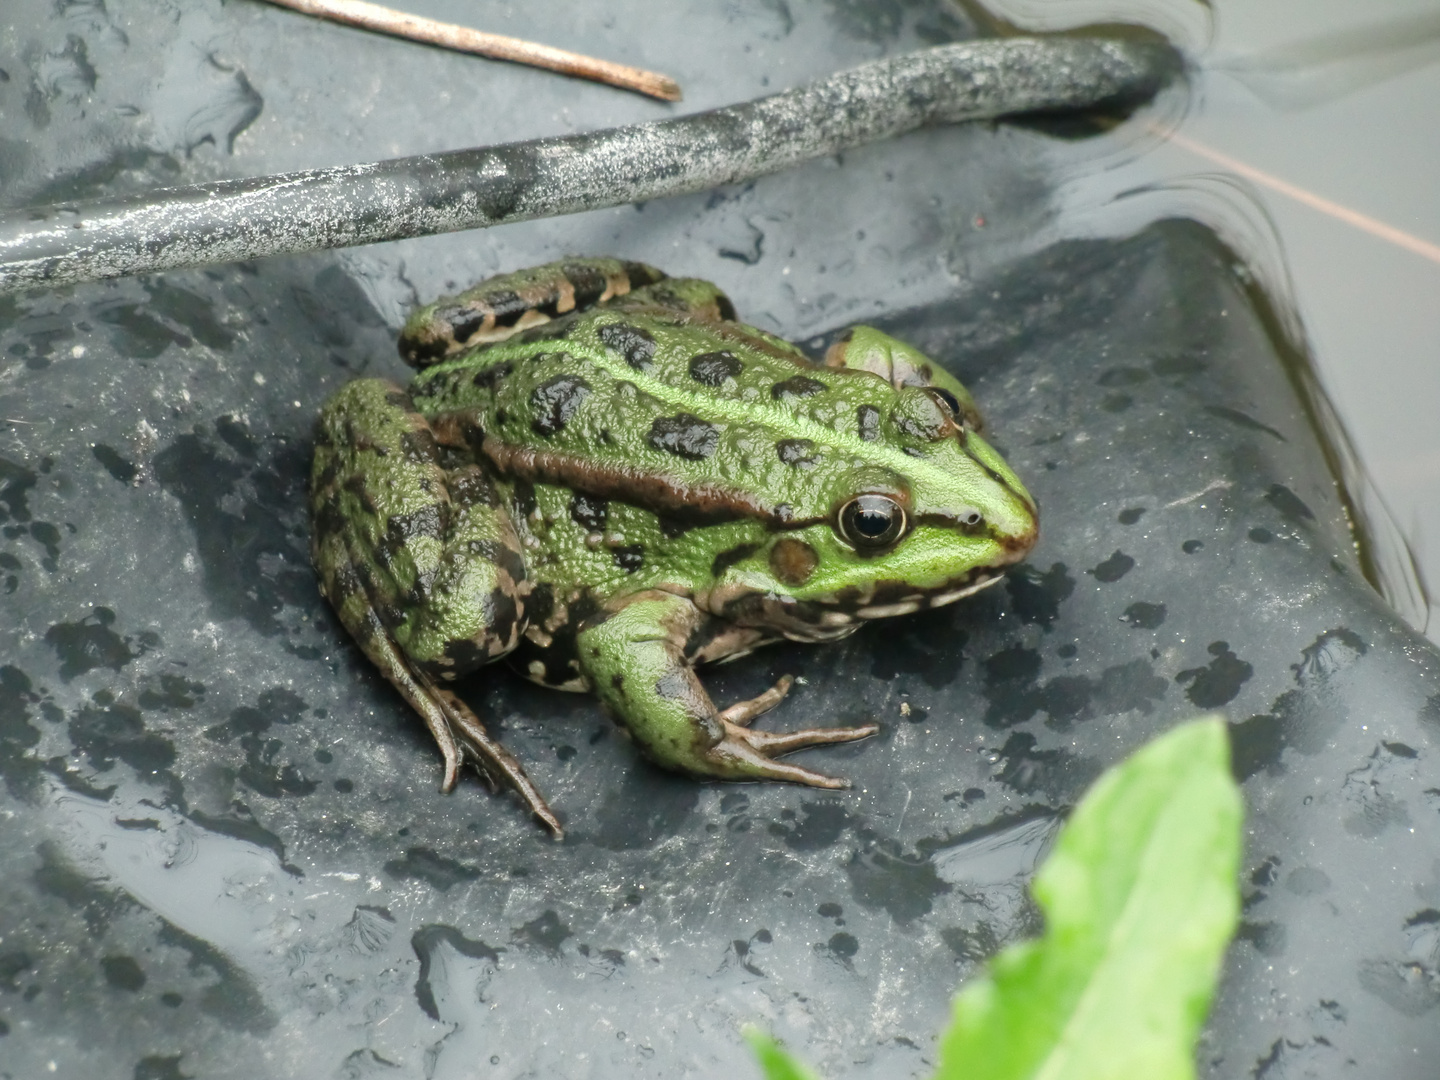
1326	112
995	856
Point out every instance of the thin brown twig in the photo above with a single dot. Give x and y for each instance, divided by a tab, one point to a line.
385	20
1424	248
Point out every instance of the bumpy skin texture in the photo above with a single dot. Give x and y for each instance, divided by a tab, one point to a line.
602	476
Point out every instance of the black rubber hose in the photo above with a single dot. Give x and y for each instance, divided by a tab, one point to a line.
467	189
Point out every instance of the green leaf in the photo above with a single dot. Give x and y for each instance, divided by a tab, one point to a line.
1140	899
776	1063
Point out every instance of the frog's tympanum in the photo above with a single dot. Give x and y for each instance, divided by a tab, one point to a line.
603	477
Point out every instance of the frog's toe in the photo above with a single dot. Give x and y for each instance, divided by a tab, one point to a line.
775	743
497	765
743	713
736	759
451	753
745	752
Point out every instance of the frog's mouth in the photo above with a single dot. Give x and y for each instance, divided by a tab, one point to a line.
979	578
838	615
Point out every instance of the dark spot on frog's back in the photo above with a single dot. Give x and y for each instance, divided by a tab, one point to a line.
629	558
801	453
589	283
797	386
463	322
640	275
636	345
356	485
672	686
684	435
419	351
470	487
419	446
589	512
713	368
460	658
508	307
489	378
492	551
555	401
402	528
867	419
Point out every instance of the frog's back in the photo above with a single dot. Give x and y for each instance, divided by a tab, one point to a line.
707	419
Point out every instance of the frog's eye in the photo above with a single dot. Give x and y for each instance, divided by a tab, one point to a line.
870	523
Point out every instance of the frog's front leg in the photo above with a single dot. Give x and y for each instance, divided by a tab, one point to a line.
635	658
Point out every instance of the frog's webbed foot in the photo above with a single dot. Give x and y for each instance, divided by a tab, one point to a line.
457	730
743	713
753	750
745	752
498	766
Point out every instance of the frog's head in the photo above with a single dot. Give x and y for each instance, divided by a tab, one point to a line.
933	515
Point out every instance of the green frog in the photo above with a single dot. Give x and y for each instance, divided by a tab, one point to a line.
603	477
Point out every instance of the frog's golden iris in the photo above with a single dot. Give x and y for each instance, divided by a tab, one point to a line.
603	477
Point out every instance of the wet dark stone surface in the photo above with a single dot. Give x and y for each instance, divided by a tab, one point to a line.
225	851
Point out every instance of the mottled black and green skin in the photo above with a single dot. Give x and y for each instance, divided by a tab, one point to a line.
603	477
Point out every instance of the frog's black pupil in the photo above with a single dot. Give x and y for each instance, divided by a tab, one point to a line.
951	401
871	523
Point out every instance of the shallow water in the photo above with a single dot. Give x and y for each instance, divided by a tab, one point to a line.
1306	139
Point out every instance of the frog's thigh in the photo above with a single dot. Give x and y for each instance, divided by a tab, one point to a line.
635	660
473	608
342	587
501	306
702	300
433	552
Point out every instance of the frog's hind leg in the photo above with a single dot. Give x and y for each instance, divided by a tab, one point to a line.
692	298
341	585
420	566
504	305
499	767
455	728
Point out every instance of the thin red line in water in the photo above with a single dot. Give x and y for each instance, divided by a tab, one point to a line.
1423	248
